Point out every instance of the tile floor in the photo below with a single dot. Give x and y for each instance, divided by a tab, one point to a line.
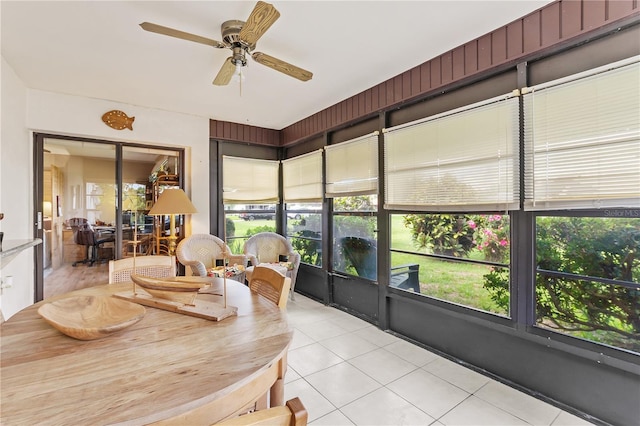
348	372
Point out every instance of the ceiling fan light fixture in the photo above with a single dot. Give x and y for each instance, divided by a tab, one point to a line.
238	74
241	37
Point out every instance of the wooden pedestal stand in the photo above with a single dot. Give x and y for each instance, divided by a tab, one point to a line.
196	308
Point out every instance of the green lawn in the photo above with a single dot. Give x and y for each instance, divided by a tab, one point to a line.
241	228
451	281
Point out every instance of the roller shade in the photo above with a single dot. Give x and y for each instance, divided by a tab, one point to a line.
582	140
302	178
352	167
464	159
249	180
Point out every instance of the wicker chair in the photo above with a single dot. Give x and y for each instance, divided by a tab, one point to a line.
200	252
269	248
150	266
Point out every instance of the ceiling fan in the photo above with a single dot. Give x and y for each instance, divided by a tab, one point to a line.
241	37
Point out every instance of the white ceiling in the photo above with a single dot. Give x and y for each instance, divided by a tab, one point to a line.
97	49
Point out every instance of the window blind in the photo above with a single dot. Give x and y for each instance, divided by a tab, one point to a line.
464	159
352	167
248	179
302	178
582	140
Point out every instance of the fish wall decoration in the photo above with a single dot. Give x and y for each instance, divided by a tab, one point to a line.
118	120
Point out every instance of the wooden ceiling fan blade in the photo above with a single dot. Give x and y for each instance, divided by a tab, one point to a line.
159	29
282	66
225	74
261	18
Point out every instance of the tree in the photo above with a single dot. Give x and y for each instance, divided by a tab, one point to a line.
590	247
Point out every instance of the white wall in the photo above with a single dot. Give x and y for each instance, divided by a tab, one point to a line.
16	189
26	110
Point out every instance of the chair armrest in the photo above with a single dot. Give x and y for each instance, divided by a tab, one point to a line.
402	268
294	258
252	259
406	277
197	267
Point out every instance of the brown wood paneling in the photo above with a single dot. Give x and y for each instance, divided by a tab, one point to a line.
405	92
446	67
334	115
514	39
362	104
471	57
382	95
436	72
485	54
571	15
593	14
389	89
425	77
498	46
374	98
346	111
620	8
397	88
550	24
224	130
343	112
367	101
531	31
416	83
458	63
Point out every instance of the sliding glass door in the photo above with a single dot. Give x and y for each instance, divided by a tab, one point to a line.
92	201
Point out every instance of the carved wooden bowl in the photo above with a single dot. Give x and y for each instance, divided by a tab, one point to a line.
91	317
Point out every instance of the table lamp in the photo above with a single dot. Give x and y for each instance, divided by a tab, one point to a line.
172	201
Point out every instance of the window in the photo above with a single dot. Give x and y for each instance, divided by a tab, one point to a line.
582	147
452	172
462	159
355	238
461	258
304	230
100	204
582	140
250	196
352	182
302	187
588	276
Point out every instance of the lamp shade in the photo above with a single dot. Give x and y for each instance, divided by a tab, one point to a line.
172	201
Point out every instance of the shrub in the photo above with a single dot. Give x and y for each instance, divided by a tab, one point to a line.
446	234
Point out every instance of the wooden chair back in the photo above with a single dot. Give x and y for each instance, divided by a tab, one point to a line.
292	414
150	266
271	284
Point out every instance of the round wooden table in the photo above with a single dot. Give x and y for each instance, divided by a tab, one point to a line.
167	368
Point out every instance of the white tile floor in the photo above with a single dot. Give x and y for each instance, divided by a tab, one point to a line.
348	372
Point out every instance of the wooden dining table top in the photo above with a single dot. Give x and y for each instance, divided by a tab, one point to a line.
158	368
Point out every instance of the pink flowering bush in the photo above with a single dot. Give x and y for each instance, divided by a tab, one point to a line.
491	236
